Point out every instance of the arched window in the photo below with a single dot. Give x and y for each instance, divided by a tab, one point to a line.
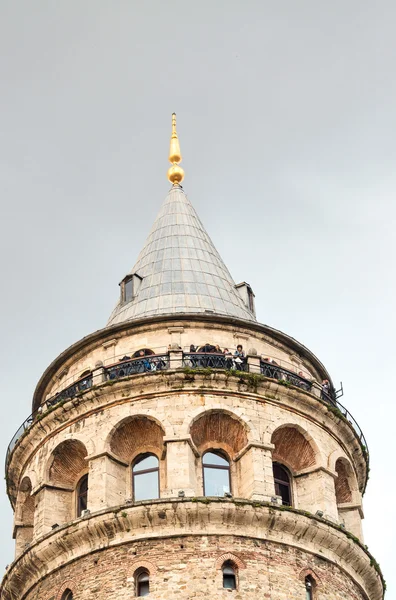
145	472
282	483
143	352
216	474
309	587
82	495
229	576
142	582
67	595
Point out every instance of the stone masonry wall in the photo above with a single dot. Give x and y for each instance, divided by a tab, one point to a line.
190	568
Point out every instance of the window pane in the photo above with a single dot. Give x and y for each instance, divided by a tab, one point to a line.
128	290
143	588
143	584
283	490
280	473
145	486
211	458
216	481
144	463
229	579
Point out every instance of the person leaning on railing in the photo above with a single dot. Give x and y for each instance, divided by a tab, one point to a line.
325	395
239	356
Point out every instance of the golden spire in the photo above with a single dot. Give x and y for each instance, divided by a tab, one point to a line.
175	173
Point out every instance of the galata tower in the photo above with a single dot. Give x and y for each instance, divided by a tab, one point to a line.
186	451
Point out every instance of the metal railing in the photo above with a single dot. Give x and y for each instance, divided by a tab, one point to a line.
274	371
211	360
144	364
194	360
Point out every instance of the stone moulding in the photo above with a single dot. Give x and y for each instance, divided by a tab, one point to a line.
197	516
155	384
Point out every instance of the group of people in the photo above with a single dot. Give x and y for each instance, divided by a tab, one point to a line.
212	355
224	356
141	361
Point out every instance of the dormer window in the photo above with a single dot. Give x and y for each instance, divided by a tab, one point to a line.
129	287
247	295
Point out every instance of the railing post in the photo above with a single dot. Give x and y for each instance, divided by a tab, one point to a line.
175	357
253	361
98	374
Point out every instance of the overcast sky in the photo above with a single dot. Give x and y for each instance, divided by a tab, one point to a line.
286	116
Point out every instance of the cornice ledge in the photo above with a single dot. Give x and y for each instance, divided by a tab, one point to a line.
196	516
253	444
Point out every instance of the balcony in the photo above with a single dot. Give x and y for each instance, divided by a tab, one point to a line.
199	361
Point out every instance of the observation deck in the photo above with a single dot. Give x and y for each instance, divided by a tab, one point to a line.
200	363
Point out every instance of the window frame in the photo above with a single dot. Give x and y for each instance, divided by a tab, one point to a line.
222	455
228	564
139	458
140	573
309	589
288	483
80	495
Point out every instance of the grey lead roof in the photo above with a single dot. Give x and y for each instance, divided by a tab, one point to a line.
181	270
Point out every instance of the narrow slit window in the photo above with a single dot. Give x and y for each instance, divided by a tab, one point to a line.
82	499
229	576
216	474
309	587
142	583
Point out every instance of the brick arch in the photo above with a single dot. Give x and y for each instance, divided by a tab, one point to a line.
137	564
220	560
294	448
67	463
219	428
136	434
345	481
68	584
309	572
235	412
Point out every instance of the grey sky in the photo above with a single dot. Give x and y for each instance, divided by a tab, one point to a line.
286	116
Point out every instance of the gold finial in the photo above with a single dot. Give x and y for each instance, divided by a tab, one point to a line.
175	173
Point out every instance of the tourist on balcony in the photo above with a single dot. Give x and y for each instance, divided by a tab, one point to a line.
192	348
306	384
325	395
146	364
239	356
218	350
125	358
207	348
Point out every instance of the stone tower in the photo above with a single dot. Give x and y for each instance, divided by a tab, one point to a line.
187	451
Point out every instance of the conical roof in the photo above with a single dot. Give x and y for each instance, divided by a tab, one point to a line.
179	270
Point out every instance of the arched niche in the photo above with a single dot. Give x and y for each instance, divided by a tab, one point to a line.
345	483
129	441
219	429
136	435
57	499
347	497
293	449
67	464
